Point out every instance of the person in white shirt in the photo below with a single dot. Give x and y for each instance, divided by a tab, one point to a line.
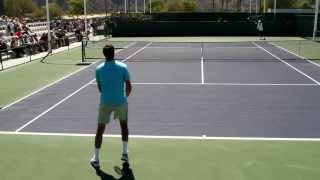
260	30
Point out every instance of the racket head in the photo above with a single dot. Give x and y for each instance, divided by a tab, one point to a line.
118	170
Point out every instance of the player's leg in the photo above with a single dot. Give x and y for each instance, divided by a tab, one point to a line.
122	114
99	135
125	138
103	119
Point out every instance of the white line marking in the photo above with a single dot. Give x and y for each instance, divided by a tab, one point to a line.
303	58
296	69
209	47
45	87
222	84
202	68
135	53
52	107
164	137
57	81
66	98
257	84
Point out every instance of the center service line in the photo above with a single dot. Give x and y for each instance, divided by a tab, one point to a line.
202	68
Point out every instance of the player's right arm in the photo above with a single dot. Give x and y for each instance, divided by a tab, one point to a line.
127	82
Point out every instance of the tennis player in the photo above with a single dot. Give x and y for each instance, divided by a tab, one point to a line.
111	77
260	30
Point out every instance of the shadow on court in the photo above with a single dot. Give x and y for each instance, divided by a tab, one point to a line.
126	173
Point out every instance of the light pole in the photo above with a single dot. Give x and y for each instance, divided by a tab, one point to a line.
250	8
136	6
105	7
85	17
48	27
275	7
150	8
315	26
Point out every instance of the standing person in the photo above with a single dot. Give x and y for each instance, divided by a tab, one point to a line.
260	30
111	77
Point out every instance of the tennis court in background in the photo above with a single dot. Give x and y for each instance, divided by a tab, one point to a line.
195	92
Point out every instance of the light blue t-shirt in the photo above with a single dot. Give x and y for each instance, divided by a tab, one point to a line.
111	75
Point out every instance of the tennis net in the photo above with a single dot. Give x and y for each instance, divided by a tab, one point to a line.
92	50
206	51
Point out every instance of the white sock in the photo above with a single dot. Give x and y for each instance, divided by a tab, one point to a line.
96	154
125	147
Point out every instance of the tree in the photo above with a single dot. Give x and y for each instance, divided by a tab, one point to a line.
19	8
76	7
159	6
176	6
190	5
285	4
54	10
304	4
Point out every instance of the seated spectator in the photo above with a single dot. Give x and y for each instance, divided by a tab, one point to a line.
3	46
19	33
78	34
43	42
16	47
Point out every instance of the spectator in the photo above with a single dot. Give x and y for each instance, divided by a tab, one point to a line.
43	42
3	46
16	47
78	34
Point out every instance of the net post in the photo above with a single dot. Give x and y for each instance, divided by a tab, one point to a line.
82	51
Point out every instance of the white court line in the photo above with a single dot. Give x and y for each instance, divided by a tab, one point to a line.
296	69
222	84
66	98
135	53
57	81
209	47
202	68
301	57
52	107
164	137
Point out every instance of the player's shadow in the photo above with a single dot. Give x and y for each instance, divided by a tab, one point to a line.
126	171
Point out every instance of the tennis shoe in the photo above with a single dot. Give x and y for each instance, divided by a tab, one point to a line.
125	157
95	163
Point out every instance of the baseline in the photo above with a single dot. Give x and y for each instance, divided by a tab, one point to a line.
203	137
221	84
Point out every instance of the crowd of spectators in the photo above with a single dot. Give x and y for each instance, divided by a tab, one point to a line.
17	38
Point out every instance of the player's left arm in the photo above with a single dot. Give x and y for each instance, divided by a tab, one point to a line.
99	86
98	82
128	88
